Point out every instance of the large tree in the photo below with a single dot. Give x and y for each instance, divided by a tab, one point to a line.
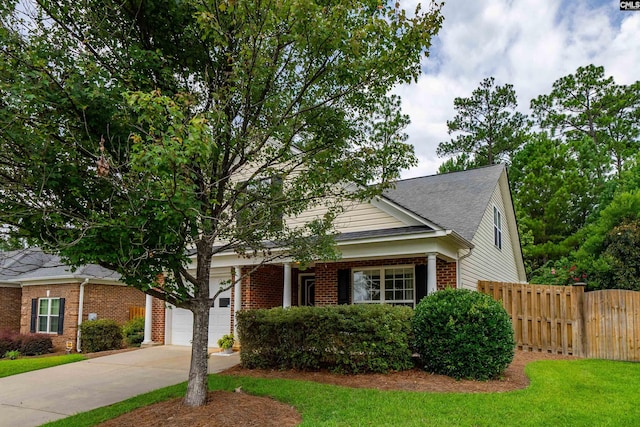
488	129
135	133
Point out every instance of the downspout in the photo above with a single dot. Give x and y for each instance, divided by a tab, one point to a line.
80	304
458	275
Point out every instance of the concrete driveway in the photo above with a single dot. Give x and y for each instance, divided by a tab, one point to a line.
36	397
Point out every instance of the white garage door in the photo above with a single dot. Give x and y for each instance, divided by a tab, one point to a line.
219	318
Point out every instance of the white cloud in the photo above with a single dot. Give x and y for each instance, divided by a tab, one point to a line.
528	43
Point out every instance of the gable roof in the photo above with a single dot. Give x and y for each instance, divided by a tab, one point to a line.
455	201
33	264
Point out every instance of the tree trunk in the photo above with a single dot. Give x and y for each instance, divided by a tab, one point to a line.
198	387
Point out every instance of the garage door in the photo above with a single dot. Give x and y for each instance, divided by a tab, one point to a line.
219	318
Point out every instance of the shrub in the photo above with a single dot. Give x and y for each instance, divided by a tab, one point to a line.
100	335
35	344
133	332
8	342
226	341
463	334
348	339
12	355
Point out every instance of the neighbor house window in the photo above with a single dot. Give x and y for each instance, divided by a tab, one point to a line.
497	228
48	315
384	285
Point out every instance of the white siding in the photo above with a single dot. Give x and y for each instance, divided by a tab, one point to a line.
487	262
356	217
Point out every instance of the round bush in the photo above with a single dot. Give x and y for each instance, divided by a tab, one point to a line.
100	335
463	334
133	332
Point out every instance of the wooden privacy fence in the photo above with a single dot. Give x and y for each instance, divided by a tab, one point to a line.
135	312
568	320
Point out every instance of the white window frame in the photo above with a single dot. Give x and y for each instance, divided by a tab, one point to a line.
381	270
48	316
497	227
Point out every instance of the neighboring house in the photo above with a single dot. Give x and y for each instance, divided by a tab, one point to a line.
39	294
425	234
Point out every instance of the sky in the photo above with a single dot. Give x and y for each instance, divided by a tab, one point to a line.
527	43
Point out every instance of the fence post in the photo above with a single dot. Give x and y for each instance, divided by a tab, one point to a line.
579	330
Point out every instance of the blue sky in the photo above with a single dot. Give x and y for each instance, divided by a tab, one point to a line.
528	43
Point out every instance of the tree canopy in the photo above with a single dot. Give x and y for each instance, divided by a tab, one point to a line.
137	133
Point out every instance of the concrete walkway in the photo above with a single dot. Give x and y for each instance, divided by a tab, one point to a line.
36	397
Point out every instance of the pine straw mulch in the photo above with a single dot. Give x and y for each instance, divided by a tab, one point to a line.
242	409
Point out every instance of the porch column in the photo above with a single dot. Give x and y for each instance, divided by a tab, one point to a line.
237	298
431	274
286	293
148	319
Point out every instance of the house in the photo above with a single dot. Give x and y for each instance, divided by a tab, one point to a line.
40	294
424	234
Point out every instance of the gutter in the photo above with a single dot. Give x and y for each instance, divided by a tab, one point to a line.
80	305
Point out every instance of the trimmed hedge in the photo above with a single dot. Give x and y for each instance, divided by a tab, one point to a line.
100	335
345	338
463	334
26	344
133	332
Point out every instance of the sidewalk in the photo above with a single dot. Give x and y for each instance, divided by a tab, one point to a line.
36	397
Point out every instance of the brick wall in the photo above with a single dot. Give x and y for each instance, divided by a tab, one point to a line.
11	300
446	274
107	301
157	326
263	288
327	275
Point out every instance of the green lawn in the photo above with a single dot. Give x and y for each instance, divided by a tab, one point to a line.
567	393
18	366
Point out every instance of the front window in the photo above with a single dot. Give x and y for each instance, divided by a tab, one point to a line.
48	315
386	285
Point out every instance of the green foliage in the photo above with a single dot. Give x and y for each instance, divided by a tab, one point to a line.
25	344
226	341
133	332
12	355
349	339
463	334
488	127
563	272
100	335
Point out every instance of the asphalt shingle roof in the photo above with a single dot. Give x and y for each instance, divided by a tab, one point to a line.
455	201
32	263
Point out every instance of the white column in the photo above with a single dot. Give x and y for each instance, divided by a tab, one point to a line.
148	319
286	293
431	274
237	298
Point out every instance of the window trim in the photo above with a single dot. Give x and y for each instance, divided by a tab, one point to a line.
497	227
48	316
381	269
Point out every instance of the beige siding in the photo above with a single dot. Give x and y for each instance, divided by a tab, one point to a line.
356	217
487	262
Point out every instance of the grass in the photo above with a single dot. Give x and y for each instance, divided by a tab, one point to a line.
567	393
19	366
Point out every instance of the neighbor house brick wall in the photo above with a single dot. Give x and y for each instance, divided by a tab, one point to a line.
111	302
70	292
107	301
11	301
446	274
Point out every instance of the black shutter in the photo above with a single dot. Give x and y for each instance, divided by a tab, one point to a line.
421	282
61	317
34	314
344	279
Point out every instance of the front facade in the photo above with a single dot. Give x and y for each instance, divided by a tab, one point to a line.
426	234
